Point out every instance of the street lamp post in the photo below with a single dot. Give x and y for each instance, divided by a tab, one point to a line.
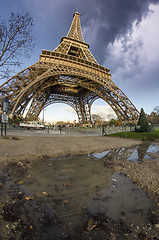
43	115
4	115
125	127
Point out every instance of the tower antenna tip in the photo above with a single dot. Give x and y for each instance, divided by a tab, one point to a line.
76	13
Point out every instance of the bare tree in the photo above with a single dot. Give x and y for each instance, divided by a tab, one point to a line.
154	116
16	40
97	119
156	109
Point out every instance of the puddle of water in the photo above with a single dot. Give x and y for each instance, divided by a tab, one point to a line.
135	153
153	149
50	197
99	155
134	156
121	198
75	197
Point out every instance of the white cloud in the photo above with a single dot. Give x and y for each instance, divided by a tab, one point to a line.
59	112
105	112
126	56
148	29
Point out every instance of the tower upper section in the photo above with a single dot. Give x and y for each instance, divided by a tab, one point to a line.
75	29
73	44
73	48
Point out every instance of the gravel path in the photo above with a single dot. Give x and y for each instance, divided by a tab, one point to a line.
24	146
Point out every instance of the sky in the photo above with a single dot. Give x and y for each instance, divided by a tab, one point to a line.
123	36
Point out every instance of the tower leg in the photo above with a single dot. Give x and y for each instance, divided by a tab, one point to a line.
83	112
36	106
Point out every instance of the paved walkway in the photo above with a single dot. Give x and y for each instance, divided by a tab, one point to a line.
75	132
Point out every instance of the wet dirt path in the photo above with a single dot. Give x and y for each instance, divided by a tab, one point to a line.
82	196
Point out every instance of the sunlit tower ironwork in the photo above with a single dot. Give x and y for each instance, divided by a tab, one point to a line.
69	74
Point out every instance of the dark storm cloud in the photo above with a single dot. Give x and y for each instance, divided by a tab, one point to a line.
110	20
102	21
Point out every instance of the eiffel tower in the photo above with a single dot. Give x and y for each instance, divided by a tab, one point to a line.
69	74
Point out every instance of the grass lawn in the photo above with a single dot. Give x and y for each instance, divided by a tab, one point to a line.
151	136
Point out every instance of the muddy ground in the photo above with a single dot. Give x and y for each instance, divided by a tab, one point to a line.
146	174
25	150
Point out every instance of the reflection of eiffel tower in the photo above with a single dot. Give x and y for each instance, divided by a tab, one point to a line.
142	150
134	153
69	74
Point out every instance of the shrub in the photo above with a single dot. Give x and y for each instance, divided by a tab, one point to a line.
143	124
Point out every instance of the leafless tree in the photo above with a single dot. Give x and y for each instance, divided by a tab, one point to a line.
97	119
16	40
156	109
154	116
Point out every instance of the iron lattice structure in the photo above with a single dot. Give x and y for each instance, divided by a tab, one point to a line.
68	74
